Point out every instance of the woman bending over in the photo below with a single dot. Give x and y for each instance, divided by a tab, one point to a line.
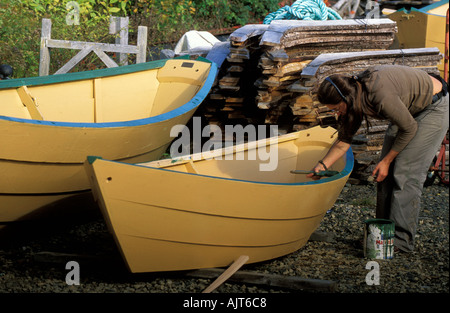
416	104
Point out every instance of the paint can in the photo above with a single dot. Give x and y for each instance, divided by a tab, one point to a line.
379	239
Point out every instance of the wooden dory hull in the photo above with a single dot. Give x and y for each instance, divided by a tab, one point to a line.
41	162
164	217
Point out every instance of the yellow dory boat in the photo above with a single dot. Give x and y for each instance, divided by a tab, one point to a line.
49	125
200	213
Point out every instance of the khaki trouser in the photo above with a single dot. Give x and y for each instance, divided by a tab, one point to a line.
399	194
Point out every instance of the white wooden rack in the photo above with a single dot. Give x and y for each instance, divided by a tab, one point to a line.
117	25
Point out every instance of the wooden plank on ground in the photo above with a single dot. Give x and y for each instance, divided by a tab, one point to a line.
227	273
268	280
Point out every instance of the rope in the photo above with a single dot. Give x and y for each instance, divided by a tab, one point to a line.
303	10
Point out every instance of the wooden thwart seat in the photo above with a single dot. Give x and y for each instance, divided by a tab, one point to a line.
30	103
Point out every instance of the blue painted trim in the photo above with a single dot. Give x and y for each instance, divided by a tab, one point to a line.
433	6
192	104
349	160
425	9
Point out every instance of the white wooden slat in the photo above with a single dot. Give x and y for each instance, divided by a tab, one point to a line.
105	58
75	60
141	44
78	45
44	62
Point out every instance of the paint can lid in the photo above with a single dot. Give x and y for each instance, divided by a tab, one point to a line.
378	221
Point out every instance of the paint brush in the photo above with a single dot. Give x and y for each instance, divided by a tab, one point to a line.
326	173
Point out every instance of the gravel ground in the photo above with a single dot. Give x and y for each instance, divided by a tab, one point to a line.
27	267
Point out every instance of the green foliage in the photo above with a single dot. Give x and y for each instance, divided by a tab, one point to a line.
250	11
20	31
16	48
167	20
234	12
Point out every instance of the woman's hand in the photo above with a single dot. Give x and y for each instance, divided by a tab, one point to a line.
318	168
381	171
337	150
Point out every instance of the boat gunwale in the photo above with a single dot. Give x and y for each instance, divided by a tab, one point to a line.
346	171
193	103
77	76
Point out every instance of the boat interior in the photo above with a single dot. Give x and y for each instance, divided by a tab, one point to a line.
118	97
266	162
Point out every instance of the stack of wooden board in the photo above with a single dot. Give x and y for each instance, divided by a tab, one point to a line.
351	63
272	87
230	98
264	61
289	46
291	39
